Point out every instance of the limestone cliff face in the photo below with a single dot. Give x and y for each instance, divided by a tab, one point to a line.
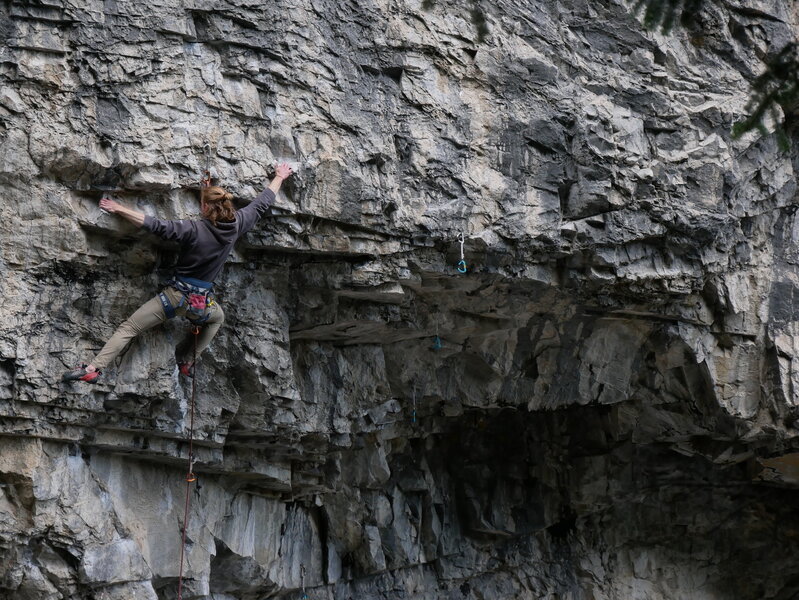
610	413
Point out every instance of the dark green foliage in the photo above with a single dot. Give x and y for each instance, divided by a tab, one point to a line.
479	21
778	85
664	13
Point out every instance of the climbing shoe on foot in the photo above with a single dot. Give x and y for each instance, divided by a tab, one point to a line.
186	368
81	374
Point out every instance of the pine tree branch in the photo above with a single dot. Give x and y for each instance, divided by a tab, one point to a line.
664	13
777	86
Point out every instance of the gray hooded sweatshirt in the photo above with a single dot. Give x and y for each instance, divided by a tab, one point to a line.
203	246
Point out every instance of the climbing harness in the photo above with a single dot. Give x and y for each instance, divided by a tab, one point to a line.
197	297
302	582
462	263
190	476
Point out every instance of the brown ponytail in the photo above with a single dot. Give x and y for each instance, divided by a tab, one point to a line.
218	205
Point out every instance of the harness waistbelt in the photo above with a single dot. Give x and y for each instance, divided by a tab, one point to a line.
195	293
189	285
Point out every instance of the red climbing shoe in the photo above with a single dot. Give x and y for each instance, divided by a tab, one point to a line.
186	368
81	374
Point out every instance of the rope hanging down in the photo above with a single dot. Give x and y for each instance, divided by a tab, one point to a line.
205	181
190	476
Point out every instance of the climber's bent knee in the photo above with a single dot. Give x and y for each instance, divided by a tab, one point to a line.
217	315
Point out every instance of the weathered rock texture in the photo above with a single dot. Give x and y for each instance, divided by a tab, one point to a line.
611	413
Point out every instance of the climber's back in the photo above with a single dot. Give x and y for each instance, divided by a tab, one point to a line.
206	244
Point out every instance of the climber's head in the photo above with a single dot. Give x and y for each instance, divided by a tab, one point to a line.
217	205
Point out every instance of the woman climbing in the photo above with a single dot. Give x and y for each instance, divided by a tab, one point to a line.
204	246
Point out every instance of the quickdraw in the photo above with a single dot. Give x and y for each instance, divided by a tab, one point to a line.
413	413
437	344
190	476
205	180
462	264
418	390
302	582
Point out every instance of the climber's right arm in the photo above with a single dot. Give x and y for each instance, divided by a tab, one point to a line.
184	231
134	216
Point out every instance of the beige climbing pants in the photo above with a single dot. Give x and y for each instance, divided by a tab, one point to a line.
148	316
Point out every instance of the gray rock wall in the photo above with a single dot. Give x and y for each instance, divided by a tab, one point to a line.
610	413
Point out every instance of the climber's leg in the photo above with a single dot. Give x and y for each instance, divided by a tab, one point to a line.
210	327
148	316
207	332
80	373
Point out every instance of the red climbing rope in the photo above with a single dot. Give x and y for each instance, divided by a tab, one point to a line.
190	476
205	181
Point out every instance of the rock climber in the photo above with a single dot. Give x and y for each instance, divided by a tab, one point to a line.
204	246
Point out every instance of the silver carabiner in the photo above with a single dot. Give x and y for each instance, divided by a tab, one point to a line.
207	151
462	264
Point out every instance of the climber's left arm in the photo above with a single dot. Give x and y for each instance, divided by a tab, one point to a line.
249	215
282	172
